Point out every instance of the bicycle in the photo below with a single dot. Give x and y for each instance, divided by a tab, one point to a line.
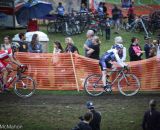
139	24
24	86
128	84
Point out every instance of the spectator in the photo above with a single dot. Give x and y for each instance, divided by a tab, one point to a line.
100	10
7	43
96	121
88	42
57	47
23	44
35	46
108	28
151	118
83	8
94	50
60	10
153	49
84	124
158	45
158	48
70	45
116	17
118	40
135	51
147	47
130	14
104	8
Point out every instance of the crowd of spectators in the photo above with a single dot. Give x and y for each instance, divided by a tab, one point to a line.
34	46
91	46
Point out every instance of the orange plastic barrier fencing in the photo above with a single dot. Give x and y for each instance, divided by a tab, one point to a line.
68	71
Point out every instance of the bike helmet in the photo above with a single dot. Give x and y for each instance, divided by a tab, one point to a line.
117	46
15	45
118	40
90	105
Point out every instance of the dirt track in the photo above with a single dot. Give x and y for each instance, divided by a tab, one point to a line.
73	99
61	112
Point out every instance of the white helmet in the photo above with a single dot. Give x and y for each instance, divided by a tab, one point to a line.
118	40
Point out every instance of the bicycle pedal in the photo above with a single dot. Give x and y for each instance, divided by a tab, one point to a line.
107	89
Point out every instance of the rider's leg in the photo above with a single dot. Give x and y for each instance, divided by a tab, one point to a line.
5	74
104	73
113	68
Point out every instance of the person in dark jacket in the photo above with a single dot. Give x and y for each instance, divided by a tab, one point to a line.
147	47
84	124
96	121
23	44
94	50
70	46
151	118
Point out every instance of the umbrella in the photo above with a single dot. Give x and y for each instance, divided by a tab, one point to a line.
31	10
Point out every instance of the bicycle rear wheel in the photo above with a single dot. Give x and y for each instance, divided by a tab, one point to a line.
93	85
129	85
24	87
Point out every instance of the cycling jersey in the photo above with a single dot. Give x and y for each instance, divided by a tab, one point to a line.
4	54
110	55
122	55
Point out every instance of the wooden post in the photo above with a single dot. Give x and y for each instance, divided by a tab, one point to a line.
74	69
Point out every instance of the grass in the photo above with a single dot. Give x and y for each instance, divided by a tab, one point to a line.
80	39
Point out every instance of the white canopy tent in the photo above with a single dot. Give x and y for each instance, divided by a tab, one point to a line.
43	39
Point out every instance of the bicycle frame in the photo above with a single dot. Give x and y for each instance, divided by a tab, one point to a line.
14	77
120	72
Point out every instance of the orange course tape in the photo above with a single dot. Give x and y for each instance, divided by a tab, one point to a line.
55	71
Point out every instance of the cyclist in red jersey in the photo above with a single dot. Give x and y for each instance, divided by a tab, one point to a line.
4	65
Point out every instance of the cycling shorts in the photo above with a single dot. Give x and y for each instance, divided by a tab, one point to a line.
104	65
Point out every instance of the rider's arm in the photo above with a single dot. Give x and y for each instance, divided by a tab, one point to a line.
14	60
119	61
124	54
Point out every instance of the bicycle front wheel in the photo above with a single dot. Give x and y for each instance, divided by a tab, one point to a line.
93	85
128	85
24	87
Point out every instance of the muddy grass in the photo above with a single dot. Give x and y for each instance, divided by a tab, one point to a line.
61	111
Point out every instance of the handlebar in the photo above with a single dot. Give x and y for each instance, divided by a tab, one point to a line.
22	68
126	69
